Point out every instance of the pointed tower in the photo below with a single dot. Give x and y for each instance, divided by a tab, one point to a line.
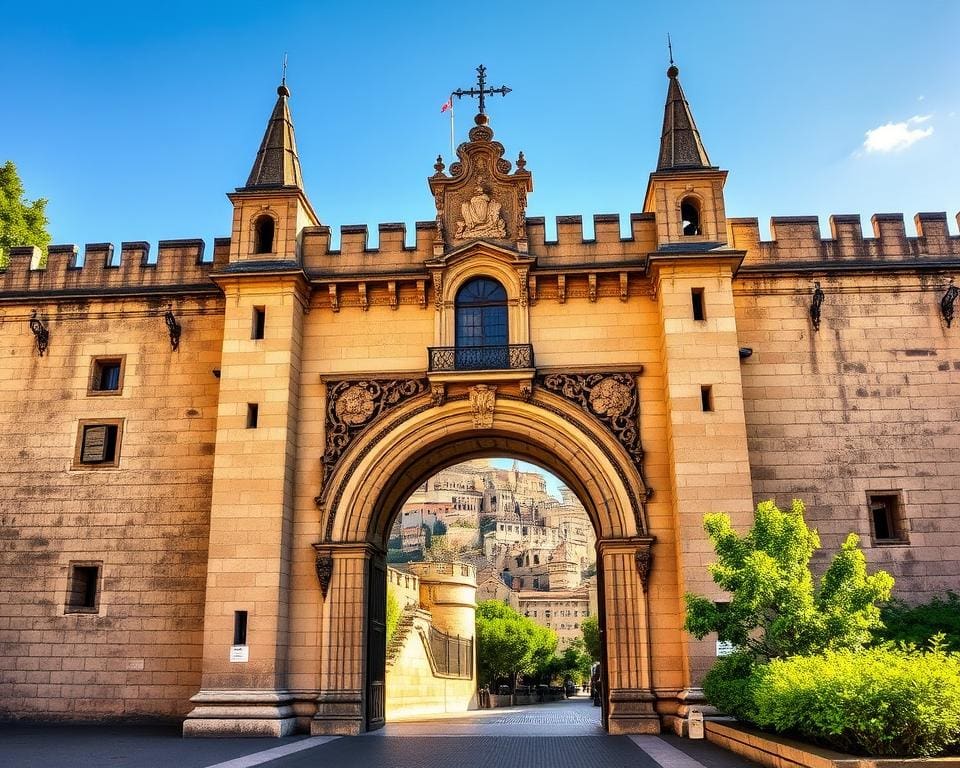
686	191
271	209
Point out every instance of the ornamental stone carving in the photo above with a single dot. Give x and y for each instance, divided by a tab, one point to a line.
354	404
483	401
480	216
610	397
324	566
644	561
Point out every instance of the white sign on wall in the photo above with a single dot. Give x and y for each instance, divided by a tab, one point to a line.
725	648
239	653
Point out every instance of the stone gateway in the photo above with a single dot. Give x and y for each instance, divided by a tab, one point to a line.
204	451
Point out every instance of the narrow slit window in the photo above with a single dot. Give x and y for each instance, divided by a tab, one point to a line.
239	627
253	415
696	298
259	322
706	398
83	590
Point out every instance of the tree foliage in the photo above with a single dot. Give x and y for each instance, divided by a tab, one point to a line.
591	637
510	645
393	612
22	222
575	663
776	609
917	624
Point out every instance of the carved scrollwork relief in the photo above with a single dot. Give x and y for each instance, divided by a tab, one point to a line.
644	561
353	404
612	398
324	566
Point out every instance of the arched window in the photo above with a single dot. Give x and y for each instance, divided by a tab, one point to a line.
481	327
690	217
263	234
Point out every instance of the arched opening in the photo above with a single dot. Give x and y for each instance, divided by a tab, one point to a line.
481	325
367	489
263	231
438	657
690	217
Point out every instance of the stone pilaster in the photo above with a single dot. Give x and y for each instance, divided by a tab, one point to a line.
341	704
630	699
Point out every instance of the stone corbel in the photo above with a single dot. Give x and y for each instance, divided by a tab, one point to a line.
624	285
562	288
362	290
324	567
532	289
592	286
523	287
644	560
422	293
334	299
392	293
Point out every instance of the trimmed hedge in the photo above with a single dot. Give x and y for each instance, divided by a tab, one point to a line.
880	701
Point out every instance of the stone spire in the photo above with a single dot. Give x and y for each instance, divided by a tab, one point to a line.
680	145
277	163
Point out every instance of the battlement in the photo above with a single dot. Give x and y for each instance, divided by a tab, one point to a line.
796	240
102	269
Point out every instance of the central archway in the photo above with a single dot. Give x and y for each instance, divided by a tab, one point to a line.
393	456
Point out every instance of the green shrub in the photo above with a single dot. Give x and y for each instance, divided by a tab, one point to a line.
880	701
731	684
393	612
917	624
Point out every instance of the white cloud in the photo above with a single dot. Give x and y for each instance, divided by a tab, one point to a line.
894	137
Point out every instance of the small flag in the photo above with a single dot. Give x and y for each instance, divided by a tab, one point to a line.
448	104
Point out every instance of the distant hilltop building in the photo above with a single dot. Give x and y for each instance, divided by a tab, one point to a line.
206	443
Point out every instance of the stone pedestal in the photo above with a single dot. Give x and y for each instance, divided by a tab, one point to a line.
241	713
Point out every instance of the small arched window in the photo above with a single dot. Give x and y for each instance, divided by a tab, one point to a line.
263	234
481	325
690	217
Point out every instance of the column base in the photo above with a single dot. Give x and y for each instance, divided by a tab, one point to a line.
339	713
632	711
687	699
241	713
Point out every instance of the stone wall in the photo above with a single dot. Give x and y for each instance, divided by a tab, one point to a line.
143	523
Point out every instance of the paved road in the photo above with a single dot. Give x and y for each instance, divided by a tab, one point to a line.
560	735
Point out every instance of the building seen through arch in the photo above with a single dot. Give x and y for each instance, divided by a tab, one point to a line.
205	448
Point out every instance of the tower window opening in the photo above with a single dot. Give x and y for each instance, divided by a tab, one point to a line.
263	235
690	217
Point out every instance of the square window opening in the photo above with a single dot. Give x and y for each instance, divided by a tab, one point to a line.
886	519
98	444
253	415
696	298
83	589
706	398
106	376
259	322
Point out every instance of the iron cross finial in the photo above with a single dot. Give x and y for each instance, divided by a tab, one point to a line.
670	48
481	90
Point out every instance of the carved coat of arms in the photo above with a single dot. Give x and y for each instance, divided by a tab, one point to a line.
480	216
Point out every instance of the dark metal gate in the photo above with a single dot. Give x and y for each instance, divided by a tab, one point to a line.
376	644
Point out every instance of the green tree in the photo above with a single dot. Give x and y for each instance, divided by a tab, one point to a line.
393	612
591	637
575	662
510	645
22	222
775	608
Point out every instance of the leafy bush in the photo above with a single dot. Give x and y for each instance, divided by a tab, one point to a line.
731	684
775	608
917	624
393	612
879	701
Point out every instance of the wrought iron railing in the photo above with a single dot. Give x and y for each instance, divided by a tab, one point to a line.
453	656
495	358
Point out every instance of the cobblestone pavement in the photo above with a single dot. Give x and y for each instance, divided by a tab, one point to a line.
558	735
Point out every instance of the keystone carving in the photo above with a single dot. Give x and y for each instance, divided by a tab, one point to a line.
438	393
483	400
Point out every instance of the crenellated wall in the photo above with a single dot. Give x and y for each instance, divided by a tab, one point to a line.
796	240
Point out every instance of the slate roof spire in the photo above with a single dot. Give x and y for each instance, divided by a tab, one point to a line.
277	163
680	144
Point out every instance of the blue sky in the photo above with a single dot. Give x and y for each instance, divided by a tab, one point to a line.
135	119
